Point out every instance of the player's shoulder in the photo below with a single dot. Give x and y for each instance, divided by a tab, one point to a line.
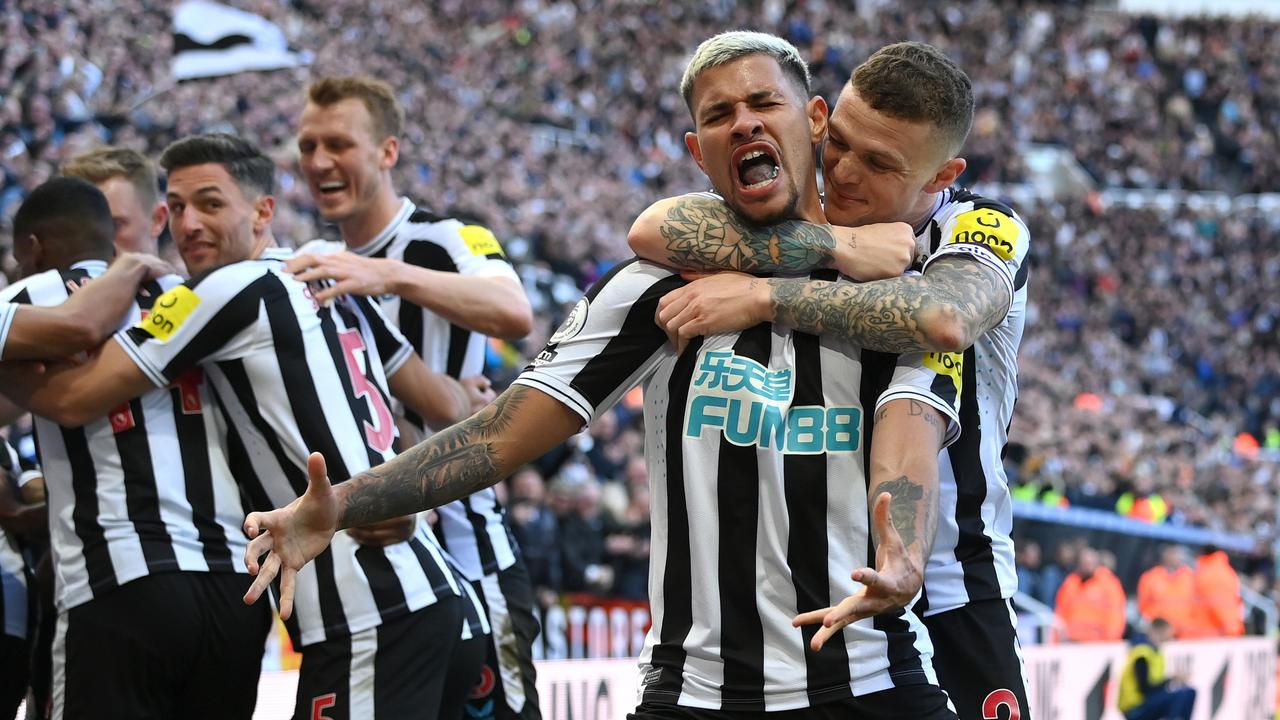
50	286
633	279
241	275
320	246
960	200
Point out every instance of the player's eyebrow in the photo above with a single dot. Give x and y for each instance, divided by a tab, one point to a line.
206	190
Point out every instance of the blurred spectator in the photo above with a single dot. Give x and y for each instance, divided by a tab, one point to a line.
1053	574
1168	590
1220	611
536	532
1091	602
582	539
626	546
1028	567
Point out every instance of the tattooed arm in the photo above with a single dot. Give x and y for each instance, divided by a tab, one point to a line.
946	309
700	232
903	488
520	425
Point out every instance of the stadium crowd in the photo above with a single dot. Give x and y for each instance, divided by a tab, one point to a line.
1151	343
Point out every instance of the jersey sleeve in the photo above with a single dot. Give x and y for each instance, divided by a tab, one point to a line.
935	379
608	343
393	348
198	321
7	311
474	250
990	233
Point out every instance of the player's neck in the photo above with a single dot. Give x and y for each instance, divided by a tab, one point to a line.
360	229
922	209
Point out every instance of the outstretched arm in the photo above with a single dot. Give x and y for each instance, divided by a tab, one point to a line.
904	490
700	232
944	310
520	425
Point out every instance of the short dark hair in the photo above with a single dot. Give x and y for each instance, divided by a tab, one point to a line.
244	162
1159	624
99	166
917	82
378	98
69	213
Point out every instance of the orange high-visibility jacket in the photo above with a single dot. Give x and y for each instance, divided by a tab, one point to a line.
1169	595
1093	609
1219	611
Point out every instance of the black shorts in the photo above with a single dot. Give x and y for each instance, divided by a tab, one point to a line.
179	644
506	689
979	662
414	666
917	702
15	659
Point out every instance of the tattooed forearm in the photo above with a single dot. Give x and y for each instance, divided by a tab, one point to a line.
904	506
449	465
702	233
946	309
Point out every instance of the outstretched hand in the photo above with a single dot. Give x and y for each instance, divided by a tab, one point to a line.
291	536
352	274
892	584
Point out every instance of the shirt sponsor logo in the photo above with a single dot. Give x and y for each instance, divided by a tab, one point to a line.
749	404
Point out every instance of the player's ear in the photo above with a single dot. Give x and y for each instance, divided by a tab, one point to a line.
818	112
264	208
946	175
691	142
389	153
159	218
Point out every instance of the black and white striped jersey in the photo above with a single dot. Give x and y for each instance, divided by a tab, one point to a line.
15	568
973	553
757	446
146	489
7	311
292	377
472	529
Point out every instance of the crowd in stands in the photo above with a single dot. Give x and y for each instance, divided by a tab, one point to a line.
1151	341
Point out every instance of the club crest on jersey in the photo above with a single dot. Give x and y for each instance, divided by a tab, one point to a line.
749	404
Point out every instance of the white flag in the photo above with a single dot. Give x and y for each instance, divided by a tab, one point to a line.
211	39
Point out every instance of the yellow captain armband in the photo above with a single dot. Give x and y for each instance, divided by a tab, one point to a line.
169	312
480	241
985	226
949	364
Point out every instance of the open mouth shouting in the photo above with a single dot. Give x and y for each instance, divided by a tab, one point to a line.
332	188
756	168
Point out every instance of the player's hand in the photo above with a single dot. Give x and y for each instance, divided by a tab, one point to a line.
711	304
152	267
387	532
876	251
351	273
892	584
479	391
291	536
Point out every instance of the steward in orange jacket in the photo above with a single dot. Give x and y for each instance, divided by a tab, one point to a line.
1091	601
1220	611
1168	590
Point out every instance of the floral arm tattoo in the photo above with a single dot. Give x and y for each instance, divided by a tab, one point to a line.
450	465
893	315
702	233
